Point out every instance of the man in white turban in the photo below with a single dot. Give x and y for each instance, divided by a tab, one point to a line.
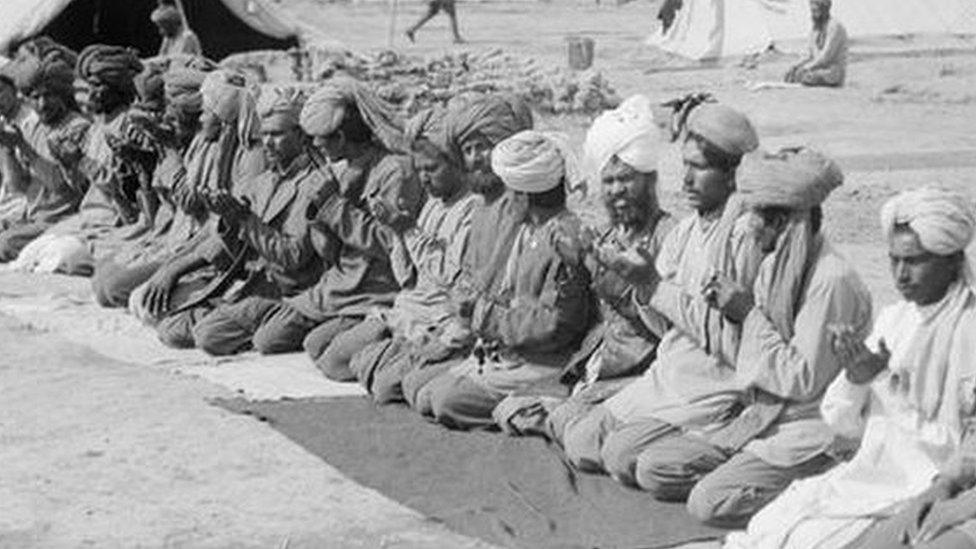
528	328
621	153
690	381
907	392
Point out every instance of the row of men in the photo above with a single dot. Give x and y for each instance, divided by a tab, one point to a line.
715	359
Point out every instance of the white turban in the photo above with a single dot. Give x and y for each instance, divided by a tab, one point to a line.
530	161
943	220
627	132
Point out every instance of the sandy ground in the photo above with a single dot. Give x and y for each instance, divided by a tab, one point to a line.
99	453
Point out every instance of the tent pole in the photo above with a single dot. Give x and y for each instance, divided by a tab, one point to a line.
391	28
179	6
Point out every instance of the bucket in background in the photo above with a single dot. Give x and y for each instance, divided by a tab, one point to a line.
580	51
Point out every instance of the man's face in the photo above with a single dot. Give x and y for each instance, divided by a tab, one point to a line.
920	276
767	225
439	178
281	140
8	98
706	187
182	125
477	162
102	97
49	105
211	125
819	12
629	195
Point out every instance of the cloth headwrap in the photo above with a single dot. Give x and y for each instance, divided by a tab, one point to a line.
429	124
150	87
285	102
627	132
796	179
725	128
944	221
495	117
42	62
531	161
223	91
182	88
327	107
115	65
165	14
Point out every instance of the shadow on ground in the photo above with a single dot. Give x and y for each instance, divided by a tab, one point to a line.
508	491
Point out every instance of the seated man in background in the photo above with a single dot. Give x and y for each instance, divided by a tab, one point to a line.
263	247
907	393
40	159
691	381
785	361
219	157
76	242
358	133
621	154
469	127
13	110
435	246
826	62
543	307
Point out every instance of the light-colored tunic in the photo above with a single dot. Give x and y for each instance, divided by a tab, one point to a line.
186	43
435	248
686	385
901	449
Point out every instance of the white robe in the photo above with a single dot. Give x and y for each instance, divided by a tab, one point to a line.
901	450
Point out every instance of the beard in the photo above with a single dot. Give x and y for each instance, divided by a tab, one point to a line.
484	182
629	211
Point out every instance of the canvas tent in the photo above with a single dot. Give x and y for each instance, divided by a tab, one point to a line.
224	26
710	29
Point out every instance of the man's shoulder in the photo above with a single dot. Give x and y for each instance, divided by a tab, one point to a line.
832	270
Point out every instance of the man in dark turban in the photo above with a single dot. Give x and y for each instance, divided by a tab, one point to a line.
44	154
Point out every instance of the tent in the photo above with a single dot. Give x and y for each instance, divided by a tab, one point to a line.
711	29
224	26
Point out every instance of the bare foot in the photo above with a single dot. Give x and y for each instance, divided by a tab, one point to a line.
409	35
459	40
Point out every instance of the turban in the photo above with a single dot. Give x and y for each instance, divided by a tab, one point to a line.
114	65
627	132
223	92
42	62
797	179
150	86
283	102
494	117
166	14
944	221
725	128
529	161
325	110
182	88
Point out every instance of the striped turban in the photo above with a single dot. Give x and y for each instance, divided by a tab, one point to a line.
44	63
529	161
113	65
725	128
796	179
325	110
